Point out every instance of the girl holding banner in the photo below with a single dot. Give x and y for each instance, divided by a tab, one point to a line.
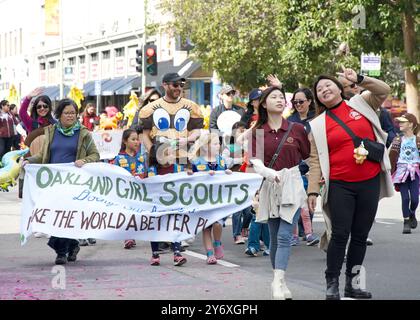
66	141
205	156
133	158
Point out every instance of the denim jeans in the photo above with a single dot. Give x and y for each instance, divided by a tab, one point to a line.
176	246
256	232
280	236
239	219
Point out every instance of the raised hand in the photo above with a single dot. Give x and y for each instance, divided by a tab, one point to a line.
274	81
34	93
348	73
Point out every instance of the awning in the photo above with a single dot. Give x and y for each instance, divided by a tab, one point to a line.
131	82
54	92
89	87
109	88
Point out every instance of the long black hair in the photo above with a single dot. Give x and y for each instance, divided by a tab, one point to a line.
308	95
149	95
47	101
262	112
319	105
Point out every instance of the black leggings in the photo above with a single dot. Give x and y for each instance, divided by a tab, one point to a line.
353	208
5	146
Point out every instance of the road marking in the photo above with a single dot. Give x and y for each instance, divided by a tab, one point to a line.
203	257
383	222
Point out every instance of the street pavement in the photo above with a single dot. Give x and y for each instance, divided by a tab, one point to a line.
107	271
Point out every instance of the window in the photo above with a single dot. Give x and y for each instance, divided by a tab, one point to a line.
106	54
82	59
72	61
42	66
51	64
94	57
120	52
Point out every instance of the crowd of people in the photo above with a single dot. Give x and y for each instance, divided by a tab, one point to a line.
333	145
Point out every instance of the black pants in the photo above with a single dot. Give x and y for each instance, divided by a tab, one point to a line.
353	208
63	246
5	146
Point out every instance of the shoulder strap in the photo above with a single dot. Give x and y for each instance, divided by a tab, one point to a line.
343	125
280	146
276	154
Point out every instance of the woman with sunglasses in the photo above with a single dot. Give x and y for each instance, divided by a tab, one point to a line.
40	114
151	96
303	107
7	128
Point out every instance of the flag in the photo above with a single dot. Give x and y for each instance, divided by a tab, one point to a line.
52	17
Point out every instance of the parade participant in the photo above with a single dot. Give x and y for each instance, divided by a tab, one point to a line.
66	141
89	117
205	157
169	125
133	158
40	113
352	184
226	96
257	231
17	137
251	115
8	125
303	104
150	97
387	125
405	161
234	154
303	107
292	139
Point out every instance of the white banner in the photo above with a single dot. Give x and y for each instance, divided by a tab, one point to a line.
108	142
105	202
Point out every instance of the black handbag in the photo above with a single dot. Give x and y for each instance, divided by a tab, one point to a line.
376	149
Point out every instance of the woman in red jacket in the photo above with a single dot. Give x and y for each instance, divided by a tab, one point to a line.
89	118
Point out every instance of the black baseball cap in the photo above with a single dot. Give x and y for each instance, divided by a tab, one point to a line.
172	77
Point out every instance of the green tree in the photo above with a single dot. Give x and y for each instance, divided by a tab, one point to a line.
245	40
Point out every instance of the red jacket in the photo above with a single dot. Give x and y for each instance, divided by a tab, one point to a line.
8	125
89	121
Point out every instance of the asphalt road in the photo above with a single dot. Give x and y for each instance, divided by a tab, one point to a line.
107	271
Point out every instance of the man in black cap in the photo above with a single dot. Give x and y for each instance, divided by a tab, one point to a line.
226	96
169	125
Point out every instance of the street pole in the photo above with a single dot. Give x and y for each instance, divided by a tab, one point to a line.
61	52
143	68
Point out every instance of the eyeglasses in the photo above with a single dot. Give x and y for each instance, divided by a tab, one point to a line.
178	84
69	113
298	102
231	94
43	106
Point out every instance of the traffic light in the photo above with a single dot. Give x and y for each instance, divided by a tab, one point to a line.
150	51
139	60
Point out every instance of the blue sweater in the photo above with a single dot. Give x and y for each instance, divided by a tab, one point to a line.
64	149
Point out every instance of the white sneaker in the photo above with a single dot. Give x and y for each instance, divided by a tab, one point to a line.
40	235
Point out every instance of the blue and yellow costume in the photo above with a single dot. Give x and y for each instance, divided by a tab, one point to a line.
136	165
199	164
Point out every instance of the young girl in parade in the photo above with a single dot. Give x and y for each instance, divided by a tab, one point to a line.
132	157
405	161
205	157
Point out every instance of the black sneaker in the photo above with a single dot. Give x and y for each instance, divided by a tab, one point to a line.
91	241
407	227
73	254
61	259
413	221
83	242
369	242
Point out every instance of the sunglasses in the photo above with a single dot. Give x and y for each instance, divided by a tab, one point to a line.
179	84
231	94
353	85
152	100
298	102
42	106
